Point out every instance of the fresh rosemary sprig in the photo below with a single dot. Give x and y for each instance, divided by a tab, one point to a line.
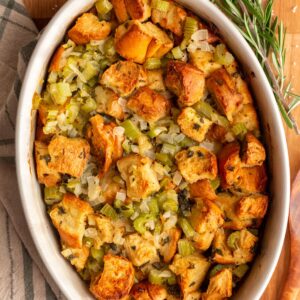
266	35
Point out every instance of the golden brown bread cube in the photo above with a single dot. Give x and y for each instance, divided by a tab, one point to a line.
69	218
116	280
46	175
220	286
156	80
109	187
241	254
120	10
185	81
217	133
223	89
193	124
124	77
252	207
206	218
197	163
173	19
229	204
202	189
140	250
141	180
77	256
147	291
149	105
89	28
137	41
107	102
204	61
69	155
247	115
105	229
254	153
168	250
229	162
138	9
57	61
192	296
106	144
192	270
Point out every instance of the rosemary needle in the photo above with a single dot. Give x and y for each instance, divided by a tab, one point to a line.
266	36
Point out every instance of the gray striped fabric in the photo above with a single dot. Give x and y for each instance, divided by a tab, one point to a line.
22	274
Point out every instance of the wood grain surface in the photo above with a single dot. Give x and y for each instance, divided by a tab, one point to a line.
289	12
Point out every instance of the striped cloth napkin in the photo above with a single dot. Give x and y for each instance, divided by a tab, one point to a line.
22	273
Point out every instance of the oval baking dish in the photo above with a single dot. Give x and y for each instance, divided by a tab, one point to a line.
44	237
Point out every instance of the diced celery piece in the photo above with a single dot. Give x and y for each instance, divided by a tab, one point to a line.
126	146
177	53
169	149
72	183
60	92
153	206
170	205
109	47
186	142
240	270
216	269
233	239
131	130
172	280
52	114
104	63
239	130
160	5
152	63
139	222
52	195
186	227
91	70
205	109
127	210
215	183
103	7
52	77
190	26
156	131
97	254
36	100
220	120
158	227
88	241
72	111
50	127
155	278
108	211
168	200
164	158
222	56
185	247
89	105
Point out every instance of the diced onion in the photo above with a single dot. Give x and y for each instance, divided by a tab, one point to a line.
119	131
121	196
91	232
177	178
200	35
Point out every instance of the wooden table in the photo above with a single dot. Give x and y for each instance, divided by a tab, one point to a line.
289	12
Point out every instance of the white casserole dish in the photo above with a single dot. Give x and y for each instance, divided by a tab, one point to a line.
43	235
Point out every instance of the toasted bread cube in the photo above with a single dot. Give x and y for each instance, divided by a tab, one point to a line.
251	180
106	144
206	218
124	77
229	203
254	153
147	291
149	105
168	250
197	163
229	163
58	61
193	125
247	115
108	103
173	19
109	187
155	80
185	81
192	270
116	280
89	28
222	87
217	133
252	207
138	9
141	180
192	296
69	218
243	253
120	10
202	189
46	175
69	155
220	286
137	41
77	256
204	61
240	83
140	250
105	229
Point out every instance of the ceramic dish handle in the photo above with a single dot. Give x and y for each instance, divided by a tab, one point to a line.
291	289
